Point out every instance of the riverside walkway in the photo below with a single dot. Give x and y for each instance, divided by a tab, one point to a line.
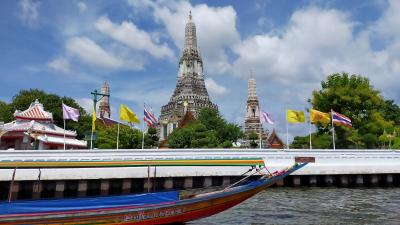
331	167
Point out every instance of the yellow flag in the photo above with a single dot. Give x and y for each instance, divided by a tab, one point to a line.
94	120
127	114
294	116
317	116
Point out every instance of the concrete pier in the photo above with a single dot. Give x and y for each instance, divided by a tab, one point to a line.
389	180
339	168
104	187
344	180
60	187
359	180
374	180
296	181
328	180
312	182
81	188
207	182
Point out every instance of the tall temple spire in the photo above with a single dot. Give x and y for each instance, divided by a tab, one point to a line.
252	119
190	94
104	106
190	33
252	88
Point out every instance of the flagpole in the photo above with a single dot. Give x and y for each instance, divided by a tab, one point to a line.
260	134
64	134
333	131
287	131
118	136
62	103
143	128
91	136
309	115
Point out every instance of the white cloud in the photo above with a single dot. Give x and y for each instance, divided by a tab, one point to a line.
128	34
303	52
216	30
91	53
29	11
215	88
86	103
60	64
81	6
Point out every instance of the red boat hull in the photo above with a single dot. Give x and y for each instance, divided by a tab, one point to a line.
158	215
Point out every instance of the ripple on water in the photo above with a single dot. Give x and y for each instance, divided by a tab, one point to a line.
315	206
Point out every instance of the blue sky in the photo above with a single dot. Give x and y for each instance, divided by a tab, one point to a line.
71	47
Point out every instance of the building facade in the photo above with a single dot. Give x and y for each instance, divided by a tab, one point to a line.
34	128
190	93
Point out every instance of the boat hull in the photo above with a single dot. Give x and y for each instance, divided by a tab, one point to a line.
191	210
161	213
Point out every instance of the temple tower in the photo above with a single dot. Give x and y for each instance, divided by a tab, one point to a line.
104	105
190	92
252	120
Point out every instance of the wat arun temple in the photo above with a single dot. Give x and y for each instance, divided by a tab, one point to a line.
190	94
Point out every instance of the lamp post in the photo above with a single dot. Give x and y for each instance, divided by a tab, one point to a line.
95	93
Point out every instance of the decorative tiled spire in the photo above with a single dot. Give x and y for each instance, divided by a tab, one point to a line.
104	106
190	33
252	88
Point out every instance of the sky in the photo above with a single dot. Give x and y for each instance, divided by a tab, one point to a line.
70	47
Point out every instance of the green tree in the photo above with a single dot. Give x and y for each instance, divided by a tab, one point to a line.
5	113
252	137
128	137
209	131
182	137
356	98
151	138
51	103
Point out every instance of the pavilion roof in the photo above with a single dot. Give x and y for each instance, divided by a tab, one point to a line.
34	126
60	140
34	112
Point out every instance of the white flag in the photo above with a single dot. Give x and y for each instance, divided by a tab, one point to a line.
70	113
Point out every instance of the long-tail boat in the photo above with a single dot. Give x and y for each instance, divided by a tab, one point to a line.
147	208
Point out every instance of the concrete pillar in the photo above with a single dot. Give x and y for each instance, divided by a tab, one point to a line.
148	184
374	180
207	182
14	190
82	188
389	179
188	183
60	187
168	183
359	180
328	180
226	181
37	189
280	183
296	181
126	186
344	180
104	187
312	181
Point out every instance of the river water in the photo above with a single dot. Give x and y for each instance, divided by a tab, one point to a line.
315	206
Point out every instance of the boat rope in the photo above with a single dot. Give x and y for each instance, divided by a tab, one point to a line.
243	179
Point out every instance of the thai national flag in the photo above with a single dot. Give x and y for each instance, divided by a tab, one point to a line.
341	119
149	118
